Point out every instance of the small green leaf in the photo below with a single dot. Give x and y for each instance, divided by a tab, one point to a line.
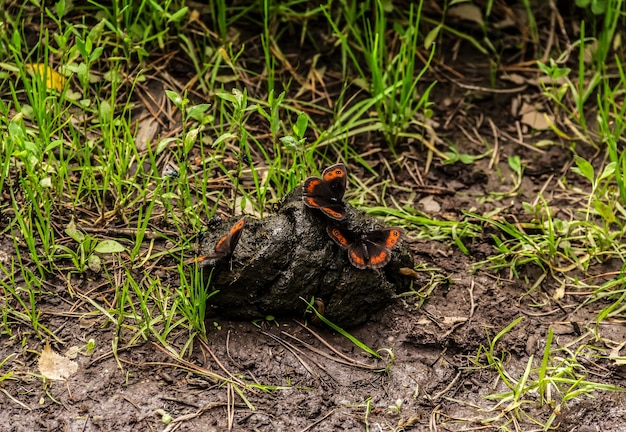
605	211
264	113
516	164
105	107
15	130
95	55
190	139
163	145
88	46
226	96
543	68
598	7
561	72
175	98
224	137
301	124
96	31
60	8
16	40
291	143
176	17
94	263
528	208
46	182
74	234
91	345
109	246
584	168
387	5
197	112
432	36
608	171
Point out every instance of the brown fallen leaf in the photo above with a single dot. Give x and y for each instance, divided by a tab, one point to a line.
55	366
535	118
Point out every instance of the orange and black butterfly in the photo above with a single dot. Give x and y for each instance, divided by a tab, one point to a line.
368	250
225	246
326	193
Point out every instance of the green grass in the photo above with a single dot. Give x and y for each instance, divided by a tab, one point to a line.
83	197
555	380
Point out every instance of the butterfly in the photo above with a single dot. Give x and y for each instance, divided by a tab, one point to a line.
326	193
368	250
225	246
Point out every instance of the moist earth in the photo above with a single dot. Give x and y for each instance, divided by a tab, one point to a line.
286	375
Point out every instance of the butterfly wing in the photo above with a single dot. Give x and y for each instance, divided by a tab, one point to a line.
235	234
222	248
326	193
334	211
336	177
316	193
357	250
372	249
225	246
378	244
359	255
342	237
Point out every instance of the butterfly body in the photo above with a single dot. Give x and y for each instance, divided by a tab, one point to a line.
366	250
326	193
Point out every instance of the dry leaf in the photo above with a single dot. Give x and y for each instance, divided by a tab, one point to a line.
467	12
614	355
429	205
534	118
55	366
147	131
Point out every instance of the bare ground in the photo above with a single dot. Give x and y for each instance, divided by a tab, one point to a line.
323	382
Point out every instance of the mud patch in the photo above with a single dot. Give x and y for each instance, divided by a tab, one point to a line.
284	376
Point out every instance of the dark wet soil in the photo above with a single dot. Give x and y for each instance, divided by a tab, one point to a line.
432	375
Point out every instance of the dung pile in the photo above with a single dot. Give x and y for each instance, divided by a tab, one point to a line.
283	261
